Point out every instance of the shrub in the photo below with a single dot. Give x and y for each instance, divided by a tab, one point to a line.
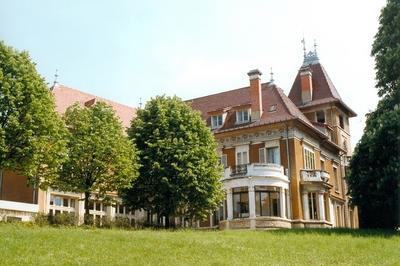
68	219
41	219
122	222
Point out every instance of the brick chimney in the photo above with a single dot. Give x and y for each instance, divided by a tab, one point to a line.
255	94
306	85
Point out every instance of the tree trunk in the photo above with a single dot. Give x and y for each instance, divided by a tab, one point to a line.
167	221
1	182
86	218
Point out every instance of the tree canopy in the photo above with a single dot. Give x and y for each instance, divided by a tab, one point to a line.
374	178
31	132
180	169
101	158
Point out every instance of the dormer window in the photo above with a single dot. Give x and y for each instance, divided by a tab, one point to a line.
216	121
242	116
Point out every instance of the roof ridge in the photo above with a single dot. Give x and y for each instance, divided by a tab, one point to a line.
94	96
285	99
222	92
331	86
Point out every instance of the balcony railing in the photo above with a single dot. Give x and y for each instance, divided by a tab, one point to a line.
238	170
254	170
314	176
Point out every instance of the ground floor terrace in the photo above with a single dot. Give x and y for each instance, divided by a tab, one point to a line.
258	196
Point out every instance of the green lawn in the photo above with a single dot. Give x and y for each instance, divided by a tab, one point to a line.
24	244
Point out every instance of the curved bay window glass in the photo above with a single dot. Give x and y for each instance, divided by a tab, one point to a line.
240	198
312	206
267	201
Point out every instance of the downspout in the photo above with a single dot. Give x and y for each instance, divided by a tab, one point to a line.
288	160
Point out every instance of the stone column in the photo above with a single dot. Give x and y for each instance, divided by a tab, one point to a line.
81	209
229	204
282	197
321	206
110	212
252	207
306	212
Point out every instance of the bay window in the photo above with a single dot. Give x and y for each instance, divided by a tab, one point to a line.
267	201
313	205
240	197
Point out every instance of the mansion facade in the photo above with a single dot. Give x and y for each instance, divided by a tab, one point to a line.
284	157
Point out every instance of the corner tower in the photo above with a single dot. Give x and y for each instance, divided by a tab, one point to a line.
315	95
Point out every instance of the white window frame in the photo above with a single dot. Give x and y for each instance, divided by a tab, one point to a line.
307	160
224	160
243	150
217	118
240	116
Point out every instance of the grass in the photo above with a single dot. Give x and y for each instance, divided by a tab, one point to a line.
32	245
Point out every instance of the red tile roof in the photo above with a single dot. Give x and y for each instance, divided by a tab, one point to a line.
323	90
65	97
271	95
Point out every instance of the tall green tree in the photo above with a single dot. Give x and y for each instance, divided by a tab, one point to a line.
31	132
180	170
374	178
101	158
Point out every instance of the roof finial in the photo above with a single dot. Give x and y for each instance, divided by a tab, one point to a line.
55	78
315	47
140	103
272	76
303	41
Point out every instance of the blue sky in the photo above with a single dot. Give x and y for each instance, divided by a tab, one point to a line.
126	50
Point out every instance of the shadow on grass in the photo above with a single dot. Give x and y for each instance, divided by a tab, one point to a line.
341	231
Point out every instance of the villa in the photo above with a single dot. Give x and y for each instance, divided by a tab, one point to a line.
285	157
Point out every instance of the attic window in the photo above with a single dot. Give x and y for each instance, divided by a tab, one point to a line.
216	121
242	116
272	108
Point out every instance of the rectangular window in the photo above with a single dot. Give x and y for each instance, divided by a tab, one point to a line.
223	160
97	206
262	156
65	202
267	201
320	116
57	201
216	121
91	205
241	158
72	203
242	116
335	176
240	197
341	123
309	159
273	155
312	205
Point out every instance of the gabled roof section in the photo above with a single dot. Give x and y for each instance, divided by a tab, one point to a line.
323	89
65	97
232	100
